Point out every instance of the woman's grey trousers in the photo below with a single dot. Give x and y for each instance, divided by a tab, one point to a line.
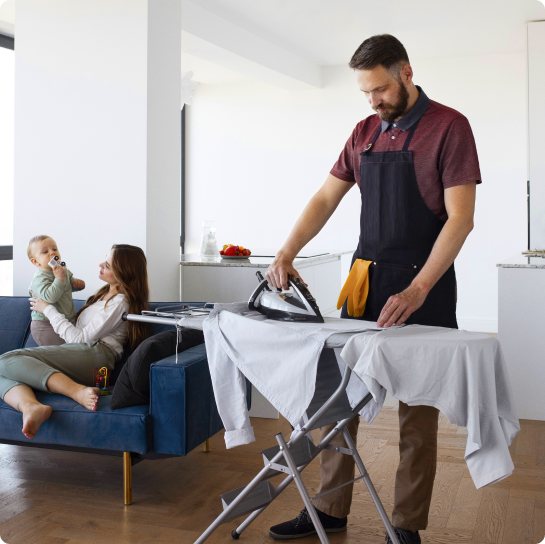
34	366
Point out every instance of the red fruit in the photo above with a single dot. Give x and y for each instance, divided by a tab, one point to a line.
230	251
246	252
221	252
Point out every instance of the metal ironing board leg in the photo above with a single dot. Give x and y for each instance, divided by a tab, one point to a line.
294	472
321	446
370	487
262	475
296	475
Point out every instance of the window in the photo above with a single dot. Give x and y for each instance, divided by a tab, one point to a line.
7	100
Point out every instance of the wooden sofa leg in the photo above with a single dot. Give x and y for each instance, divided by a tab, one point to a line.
206	446
127	477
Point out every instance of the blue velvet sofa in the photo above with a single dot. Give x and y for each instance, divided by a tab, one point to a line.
182	413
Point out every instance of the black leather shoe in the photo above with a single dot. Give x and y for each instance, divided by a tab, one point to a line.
404	537
302	526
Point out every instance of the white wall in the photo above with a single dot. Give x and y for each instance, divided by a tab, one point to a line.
255	154
85	160
536	136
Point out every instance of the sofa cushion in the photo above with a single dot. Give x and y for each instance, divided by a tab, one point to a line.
132	386
70	424
14	322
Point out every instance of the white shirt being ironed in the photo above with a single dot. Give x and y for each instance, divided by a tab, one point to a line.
279	358
463	374
100	321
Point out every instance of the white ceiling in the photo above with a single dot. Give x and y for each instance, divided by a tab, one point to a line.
328	31
314	33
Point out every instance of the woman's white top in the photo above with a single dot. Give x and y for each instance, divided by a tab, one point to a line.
100	321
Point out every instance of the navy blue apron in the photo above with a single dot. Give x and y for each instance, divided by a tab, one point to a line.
397	233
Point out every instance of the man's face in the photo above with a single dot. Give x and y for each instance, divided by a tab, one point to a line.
387	95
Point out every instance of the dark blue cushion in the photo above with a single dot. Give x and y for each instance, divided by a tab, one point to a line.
14	322
127	429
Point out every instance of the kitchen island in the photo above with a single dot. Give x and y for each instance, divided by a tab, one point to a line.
225	280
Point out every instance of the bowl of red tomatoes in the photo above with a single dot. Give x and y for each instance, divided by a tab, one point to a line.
231	251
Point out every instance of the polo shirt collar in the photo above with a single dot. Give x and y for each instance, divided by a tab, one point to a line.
414	114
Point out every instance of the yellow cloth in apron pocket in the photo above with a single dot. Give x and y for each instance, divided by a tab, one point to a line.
356	289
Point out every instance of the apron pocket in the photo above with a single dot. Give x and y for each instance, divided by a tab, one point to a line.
386	280
402	268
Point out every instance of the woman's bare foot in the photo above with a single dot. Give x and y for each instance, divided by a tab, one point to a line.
87	397
33	416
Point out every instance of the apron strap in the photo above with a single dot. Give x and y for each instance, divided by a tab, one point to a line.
410	136
377	134
369	146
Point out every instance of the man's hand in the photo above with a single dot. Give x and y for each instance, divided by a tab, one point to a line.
278	271
59	272
78	285
398	308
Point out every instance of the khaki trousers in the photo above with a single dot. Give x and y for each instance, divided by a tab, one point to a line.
418	426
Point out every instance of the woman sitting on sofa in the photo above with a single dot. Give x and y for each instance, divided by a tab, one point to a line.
95	341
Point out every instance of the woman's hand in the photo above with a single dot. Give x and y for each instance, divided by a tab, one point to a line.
37	304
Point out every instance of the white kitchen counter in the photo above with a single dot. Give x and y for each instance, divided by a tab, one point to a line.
521	261
259	262
521	319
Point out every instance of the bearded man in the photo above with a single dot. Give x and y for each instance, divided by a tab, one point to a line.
415	163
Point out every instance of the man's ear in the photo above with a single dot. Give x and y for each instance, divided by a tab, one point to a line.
406	74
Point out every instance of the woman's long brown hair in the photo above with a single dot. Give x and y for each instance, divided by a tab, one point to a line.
129	266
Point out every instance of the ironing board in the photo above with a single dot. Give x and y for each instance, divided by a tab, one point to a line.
329	405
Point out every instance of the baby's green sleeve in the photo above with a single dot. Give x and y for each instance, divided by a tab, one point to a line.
44	288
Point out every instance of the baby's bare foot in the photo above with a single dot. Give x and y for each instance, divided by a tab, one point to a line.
33	416
87	397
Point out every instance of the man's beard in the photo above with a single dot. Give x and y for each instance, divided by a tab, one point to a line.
395	110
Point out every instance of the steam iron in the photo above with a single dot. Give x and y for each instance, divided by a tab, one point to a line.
295	304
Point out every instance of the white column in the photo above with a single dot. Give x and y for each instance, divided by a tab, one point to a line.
97	134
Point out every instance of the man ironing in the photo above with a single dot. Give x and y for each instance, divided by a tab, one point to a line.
415	163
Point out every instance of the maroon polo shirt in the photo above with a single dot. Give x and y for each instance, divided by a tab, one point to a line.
443	149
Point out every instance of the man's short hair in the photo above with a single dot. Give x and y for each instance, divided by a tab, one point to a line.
382	49
39	238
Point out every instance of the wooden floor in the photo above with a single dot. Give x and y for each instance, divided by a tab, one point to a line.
51	497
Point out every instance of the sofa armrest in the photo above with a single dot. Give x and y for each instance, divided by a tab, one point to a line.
182	404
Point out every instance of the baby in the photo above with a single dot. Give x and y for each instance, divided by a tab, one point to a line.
52	284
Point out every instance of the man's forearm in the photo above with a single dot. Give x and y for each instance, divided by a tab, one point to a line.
310	223
445	250
315	215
